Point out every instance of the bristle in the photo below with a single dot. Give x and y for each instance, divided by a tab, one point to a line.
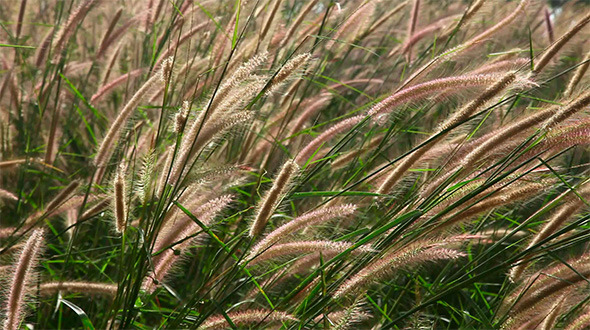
106	88
99	207
431	65
176	234
354	25
567	111
349	317
19	20
549	282
181	116
269	20
182	39
551	317
6	232
116	34
43	48
296	163
386	17
199	136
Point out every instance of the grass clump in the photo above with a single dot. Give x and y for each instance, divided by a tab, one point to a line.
294	164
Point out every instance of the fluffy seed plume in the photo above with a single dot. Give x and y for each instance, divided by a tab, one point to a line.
349	317
554	312
174	233
110	29
89	288
580	71
62	196
57	201
412	26
247	317
242	73
99	207
308	219
67	30
354	25
555	221
552	116
116	34
105	89
503	197
556	46
5	194
110	139
271	199
200	135
415	254
431	87
293	27
549	25
289	69
518	11
309	112
302	247
22	279
183	38
567	111
269	20
181	116
384	18
120	208
145	185
580	323
549	282
456	118
306	154
6	232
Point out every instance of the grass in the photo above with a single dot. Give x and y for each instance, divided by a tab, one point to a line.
294	164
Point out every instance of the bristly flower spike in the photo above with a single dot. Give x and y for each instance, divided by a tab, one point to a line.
246	317
119	199
303	221
106	148
272	198
21	282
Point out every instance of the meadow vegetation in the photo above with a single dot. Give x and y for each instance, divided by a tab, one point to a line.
289	164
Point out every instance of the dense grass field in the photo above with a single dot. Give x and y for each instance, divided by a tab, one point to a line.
291	164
